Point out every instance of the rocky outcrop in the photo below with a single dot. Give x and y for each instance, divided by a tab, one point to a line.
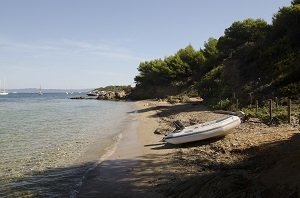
120	95
112	95
78	98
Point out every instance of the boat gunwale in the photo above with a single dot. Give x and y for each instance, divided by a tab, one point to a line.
210	122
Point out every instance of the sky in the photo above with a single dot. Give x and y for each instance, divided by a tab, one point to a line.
85	44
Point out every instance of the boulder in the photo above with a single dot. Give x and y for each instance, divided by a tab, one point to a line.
120	94
111	95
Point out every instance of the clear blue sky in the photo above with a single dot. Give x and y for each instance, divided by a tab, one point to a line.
90	43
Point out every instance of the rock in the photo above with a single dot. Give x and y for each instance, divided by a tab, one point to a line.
120	94
78	98
112	95
109	95
158	131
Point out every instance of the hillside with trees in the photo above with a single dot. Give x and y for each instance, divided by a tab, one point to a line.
252	57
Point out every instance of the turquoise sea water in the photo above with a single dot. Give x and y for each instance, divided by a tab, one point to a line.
49	142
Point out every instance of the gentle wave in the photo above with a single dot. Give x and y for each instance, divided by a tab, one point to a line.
110	150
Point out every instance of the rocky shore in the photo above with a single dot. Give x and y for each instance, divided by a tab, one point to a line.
104	95
111	95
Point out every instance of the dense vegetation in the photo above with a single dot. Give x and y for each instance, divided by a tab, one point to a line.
252	57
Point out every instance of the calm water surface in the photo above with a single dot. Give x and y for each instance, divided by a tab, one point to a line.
49	142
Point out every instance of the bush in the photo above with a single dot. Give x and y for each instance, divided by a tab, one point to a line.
177	99
279	114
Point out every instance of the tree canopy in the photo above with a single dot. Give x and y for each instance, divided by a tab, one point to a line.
251	57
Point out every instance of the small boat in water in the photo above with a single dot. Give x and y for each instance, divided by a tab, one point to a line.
40	91
2	91
216	128
92	94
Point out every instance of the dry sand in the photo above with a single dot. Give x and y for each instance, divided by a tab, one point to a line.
255	160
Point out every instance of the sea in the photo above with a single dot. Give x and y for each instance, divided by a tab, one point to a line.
48	143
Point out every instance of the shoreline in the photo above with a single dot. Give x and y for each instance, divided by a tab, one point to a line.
128	172
144	166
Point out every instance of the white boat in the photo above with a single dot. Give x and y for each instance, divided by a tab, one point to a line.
92	94
216	128
2	91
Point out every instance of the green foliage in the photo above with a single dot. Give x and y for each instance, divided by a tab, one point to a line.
240	33
154	72
177	99
125	88
225	104
211	55
210	48
251	57
295	2
292	89
279	114
210	84
286	25
175	70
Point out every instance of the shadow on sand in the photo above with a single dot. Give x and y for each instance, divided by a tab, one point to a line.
167	110
270	170
165	145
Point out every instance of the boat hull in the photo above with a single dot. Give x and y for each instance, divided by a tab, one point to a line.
207	130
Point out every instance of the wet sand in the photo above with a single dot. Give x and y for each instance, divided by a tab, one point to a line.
255	160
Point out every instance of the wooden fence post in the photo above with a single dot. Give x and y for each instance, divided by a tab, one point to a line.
289	111
256	104
237	104
270	109
233	99
250	100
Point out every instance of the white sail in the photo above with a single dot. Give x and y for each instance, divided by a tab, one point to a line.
40	91
2	91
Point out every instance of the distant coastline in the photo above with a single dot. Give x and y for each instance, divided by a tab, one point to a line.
36	90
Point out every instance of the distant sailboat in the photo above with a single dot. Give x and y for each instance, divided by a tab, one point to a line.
40	91
2	91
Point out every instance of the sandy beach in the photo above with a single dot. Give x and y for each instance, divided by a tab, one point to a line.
254	160
134	168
